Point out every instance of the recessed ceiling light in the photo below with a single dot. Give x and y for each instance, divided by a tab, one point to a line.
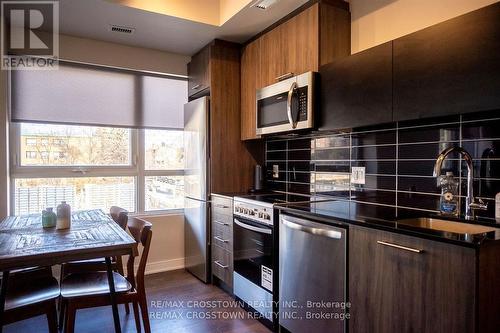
263	4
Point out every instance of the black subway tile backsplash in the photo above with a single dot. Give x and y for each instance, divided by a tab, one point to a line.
398	159
377	167
443	133
331	154
374	153
374	138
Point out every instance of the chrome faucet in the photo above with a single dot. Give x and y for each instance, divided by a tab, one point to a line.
470	202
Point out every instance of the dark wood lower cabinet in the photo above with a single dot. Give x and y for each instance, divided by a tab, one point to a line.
397	290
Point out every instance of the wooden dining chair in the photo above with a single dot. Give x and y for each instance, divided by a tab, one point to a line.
31	293
120	216
91	289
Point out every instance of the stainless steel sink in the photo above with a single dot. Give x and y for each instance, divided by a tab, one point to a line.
448	226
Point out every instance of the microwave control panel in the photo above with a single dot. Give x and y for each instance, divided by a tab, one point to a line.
302	97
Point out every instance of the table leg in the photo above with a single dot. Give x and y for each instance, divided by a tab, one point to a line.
3	292
112	294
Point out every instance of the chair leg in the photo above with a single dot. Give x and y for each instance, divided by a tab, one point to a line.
145	314
52	317
119	265
70	318
62	313
136	317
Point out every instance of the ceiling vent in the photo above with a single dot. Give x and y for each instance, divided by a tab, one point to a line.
121	29
263	4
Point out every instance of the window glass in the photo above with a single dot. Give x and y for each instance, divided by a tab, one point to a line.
164	192
68	145
164	150
32	195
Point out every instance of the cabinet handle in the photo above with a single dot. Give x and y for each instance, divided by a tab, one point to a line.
401	247
195	87
221	206
221	239
221	223
284	76
220	265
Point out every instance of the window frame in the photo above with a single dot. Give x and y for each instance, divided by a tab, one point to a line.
135	169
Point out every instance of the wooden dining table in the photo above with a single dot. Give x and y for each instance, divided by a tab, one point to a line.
93	234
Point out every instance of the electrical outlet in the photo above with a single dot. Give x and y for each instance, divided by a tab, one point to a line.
276	171
358	175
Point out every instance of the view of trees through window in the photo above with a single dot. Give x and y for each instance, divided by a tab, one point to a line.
101	171
63	145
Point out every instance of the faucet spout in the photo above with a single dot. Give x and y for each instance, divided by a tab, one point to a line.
470	203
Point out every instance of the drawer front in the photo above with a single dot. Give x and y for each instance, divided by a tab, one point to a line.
222	264
222	219
222	236
222	205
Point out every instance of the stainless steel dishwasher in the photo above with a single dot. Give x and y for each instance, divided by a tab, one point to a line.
312	276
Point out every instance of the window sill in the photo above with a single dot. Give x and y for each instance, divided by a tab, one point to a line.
166	212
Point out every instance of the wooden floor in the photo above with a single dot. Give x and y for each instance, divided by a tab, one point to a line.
176	300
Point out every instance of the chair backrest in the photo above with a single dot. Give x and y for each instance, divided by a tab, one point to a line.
119	215
141	232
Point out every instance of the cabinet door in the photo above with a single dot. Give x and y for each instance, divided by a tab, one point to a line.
300	36
198	72
357	90
250	71
393	289
450	68
272	62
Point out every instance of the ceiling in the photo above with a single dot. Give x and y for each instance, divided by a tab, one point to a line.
92	19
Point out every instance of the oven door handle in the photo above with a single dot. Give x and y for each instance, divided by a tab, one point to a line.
292	122
253	228
311	230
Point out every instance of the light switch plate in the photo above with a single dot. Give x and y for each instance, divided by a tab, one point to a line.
276	171
358	175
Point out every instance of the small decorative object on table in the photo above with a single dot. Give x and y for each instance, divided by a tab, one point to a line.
49	218
63	216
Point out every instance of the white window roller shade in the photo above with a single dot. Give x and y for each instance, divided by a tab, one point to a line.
78	94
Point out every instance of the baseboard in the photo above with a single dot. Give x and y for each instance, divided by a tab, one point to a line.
163	266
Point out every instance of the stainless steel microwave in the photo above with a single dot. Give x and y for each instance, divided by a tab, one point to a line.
287	105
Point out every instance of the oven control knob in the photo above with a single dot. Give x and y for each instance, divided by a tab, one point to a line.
267	216
251	212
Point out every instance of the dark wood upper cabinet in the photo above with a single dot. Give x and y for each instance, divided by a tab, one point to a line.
250	76
357	90
449	68
198	72
302	42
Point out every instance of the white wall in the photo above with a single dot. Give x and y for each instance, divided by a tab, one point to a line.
118	55
374	22
167	244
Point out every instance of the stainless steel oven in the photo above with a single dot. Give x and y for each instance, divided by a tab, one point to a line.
287	105
255	258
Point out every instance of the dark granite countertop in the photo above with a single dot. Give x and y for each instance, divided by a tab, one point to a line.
385	218
231	195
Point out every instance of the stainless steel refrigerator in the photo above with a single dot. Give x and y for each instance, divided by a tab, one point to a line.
196	186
